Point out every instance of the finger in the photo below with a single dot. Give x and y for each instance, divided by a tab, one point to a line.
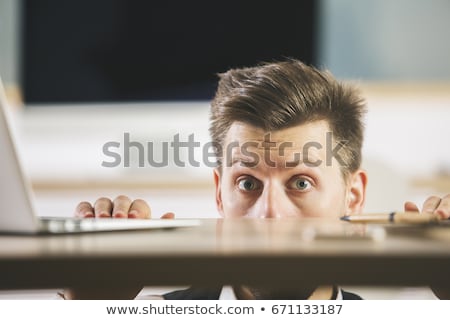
431	204
168	215
103	207
121	206
411	207
443	209
139	209
84	210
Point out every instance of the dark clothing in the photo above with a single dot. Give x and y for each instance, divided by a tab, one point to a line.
194	293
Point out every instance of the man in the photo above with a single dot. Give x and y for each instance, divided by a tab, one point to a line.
288	141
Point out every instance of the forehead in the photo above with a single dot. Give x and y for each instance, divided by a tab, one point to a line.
280	149
297	136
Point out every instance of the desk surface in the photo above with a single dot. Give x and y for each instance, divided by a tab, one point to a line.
285	252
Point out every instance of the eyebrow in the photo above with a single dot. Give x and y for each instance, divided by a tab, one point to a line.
249	163
252	163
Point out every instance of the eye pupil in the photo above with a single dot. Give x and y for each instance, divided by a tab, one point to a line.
248	185
301	184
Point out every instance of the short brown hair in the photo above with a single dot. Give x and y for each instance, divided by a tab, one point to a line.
278	95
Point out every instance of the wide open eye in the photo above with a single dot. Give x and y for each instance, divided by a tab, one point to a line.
301	184
248	184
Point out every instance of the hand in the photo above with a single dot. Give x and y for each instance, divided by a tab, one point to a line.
120	207
433	205
440	207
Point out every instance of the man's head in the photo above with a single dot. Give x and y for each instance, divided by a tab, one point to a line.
291	139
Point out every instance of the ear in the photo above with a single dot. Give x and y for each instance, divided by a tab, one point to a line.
356	192
219	202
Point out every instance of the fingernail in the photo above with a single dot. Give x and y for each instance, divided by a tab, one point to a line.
88	214
133	214
442	214
119	214
104	214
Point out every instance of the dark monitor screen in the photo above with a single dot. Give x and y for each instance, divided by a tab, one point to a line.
121	50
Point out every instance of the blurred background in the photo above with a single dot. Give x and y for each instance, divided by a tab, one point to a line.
80	74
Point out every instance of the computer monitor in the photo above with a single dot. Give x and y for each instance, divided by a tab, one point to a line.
119	50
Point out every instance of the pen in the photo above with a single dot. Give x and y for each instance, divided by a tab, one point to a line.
393	217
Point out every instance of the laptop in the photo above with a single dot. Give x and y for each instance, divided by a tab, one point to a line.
17	212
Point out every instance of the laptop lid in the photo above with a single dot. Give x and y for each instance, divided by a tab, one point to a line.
16	211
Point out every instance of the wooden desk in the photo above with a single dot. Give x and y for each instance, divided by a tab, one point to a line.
270	252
